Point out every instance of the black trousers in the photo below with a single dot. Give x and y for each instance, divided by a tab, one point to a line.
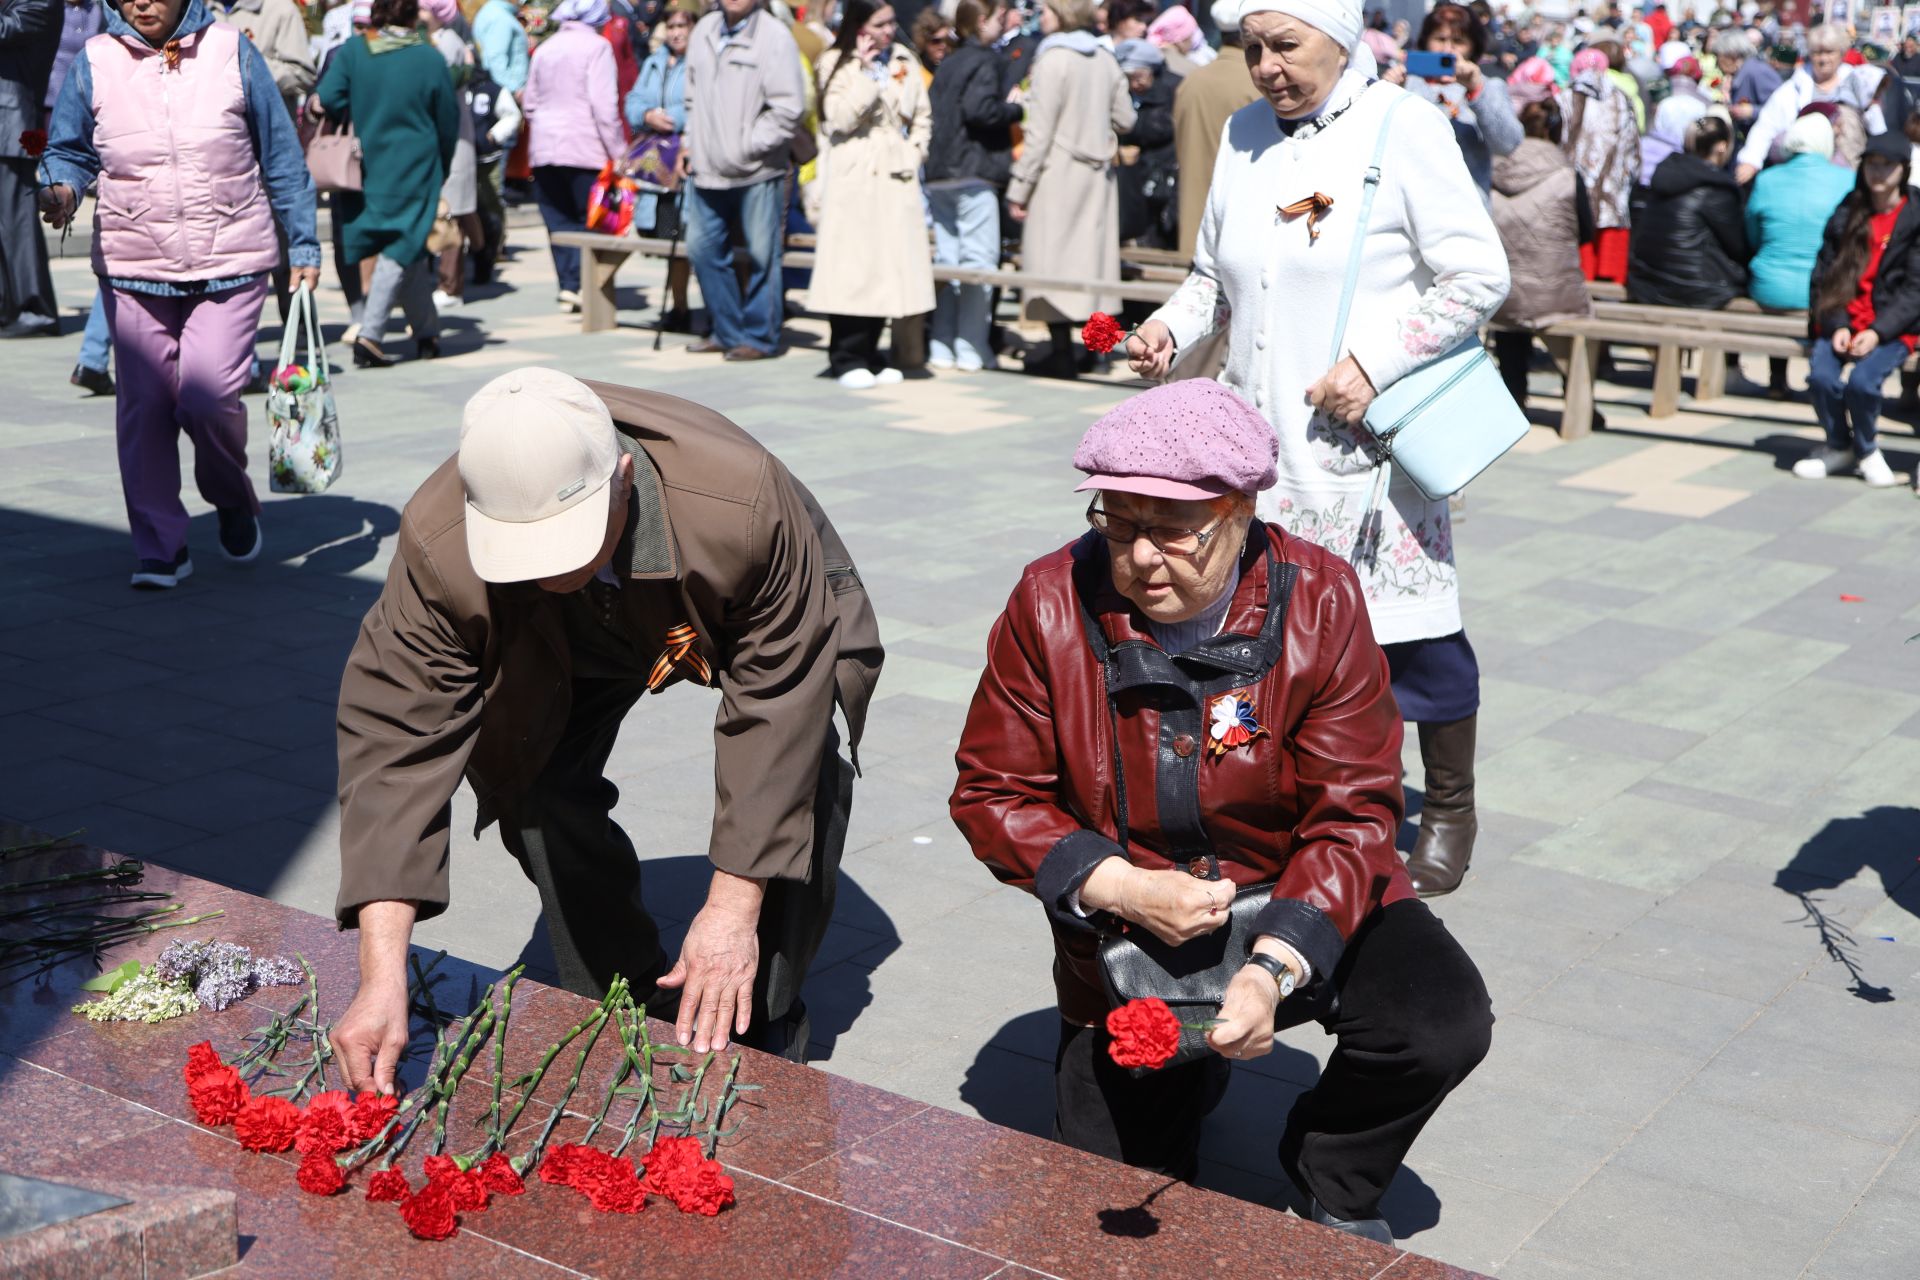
26	278
563	834
854	344
1513	350
1412	1019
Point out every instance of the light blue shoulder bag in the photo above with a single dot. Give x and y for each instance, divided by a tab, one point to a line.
1445	422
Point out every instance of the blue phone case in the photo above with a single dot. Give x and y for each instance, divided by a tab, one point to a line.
1429	66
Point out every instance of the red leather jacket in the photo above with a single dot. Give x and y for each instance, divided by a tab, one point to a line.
1312	801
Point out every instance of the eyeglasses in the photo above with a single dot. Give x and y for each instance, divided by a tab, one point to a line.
1170	541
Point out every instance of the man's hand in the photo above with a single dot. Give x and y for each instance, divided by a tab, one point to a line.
717	964
1150	350
1863	343
1344	393
1171	905
57	205
308	276
372	1033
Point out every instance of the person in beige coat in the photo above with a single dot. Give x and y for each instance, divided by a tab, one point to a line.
1064	188
280	33
873	263
1541	209
1201	106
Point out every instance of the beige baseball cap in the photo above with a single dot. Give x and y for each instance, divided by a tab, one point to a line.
537	455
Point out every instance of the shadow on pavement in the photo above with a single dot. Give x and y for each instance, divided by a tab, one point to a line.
1884	840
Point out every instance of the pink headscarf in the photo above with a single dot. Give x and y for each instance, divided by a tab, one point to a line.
1175	28
1589	60
1532	71
442	11
1385	51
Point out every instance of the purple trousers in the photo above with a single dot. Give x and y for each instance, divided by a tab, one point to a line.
183	363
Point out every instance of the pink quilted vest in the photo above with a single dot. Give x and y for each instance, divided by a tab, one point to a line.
180	192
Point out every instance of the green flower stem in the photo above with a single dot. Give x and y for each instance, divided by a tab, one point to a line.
620	1070
477	1033
642	1063
727	1096
41	846
599	1020
125	871
57	909
496	1137
546	1060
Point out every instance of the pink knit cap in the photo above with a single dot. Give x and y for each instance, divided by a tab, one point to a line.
1188	440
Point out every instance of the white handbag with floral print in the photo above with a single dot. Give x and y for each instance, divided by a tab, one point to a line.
303	454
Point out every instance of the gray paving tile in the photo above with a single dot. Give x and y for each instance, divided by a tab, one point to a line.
1520	1142
34	789
1582	1070
141	709
1594	730
1766	1074
138	835
1593	997
230	798
1876	1242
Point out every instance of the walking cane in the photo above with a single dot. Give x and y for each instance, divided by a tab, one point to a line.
673	252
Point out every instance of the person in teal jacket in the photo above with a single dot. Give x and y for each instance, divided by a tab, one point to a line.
1786	216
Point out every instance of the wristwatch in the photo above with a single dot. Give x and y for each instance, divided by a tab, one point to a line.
1281	975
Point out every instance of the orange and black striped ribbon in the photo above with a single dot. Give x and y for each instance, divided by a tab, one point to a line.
1314	206
679	651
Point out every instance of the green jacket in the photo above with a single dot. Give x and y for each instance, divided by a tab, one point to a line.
404	111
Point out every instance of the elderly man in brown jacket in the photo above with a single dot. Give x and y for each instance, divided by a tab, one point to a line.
587	545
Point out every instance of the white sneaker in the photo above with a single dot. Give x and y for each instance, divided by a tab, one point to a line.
569	301
1824	462
857	380
941	362
1875	471
969	363
444	302
887	377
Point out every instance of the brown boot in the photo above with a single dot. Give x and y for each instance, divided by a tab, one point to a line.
1444	846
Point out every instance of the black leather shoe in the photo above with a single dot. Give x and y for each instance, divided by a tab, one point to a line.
1444	848
1374	1229
30	325
368	355
97	381
426	348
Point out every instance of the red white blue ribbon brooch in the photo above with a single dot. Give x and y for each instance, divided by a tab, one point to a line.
1232	724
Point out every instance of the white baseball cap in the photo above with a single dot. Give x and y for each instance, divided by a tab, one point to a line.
537	456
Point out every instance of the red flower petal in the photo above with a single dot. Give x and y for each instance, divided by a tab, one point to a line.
267	1124
320	1174
388	1184
1145	1033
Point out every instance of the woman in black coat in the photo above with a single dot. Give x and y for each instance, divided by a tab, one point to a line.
1689	244
1148	212
968	164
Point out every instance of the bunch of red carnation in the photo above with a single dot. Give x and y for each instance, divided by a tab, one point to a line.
33	142
675	1169
1102	333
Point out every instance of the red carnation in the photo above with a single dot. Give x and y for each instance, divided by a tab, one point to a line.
200	1059
218	1095
324	1127
388	1184
497	1175
1145	1033
469	1193
439	1167
667	1159
429	1212
320	1174
619	1190
567	1164
701	1188
267	1124
371	1113
1102	333
33	141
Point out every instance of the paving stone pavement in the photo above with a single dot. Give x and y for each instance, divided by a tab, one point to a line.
1695	896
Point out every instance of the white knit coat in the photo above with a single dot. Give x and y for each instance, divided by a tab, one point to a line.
1432	271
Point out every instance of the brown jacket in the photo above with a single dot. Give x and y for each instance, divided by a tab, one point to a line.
1201	106
452	677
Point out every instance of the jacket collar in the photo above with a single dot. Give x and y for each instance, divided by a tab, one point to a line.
648	549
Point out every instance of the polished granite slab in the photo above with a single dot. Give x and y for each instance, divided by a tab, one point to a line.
833	1177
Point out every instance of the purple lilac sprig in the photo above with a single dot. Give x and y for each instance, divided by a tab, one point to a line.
223	973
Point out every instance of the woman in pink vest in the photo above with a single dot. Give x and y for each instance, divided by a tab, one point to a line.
178	122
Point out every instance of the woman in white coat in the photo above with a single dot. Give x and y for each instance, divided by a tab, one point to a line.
1280	219
873	264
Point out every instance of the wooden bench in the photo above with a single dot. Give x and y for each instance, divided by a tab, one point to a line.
605	254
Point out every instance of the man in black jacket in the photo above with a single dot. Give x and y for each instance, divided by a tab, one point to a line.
29	42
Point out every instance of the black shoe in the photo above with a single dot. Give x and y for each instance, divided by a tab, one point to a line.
97	381
426	348
679	320
163	575
29	325
257	384
240	536
1374	1229
368	355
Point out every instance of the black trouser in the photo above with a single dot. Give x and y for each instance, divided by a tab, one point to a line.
1413	1020
26	278
588	875
1513	349
854	344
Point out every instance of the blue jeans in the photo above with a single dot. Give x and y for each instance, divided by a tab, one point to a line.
96	345
1839	397
966	233
561	192
712	215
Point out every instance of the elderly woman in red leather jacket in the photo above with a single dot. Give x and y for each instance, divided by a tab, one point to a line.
1258	743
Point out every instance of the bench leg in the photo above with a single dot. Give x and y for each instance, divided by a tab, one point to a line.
1576	417
1709	375
598	311
1666	382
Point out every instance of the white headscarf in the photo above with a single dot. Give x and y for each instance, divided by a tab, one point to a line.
1339	19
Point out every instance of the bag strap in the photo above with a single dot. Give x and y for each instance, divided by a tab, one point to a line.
1369	185
316	341
290	334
